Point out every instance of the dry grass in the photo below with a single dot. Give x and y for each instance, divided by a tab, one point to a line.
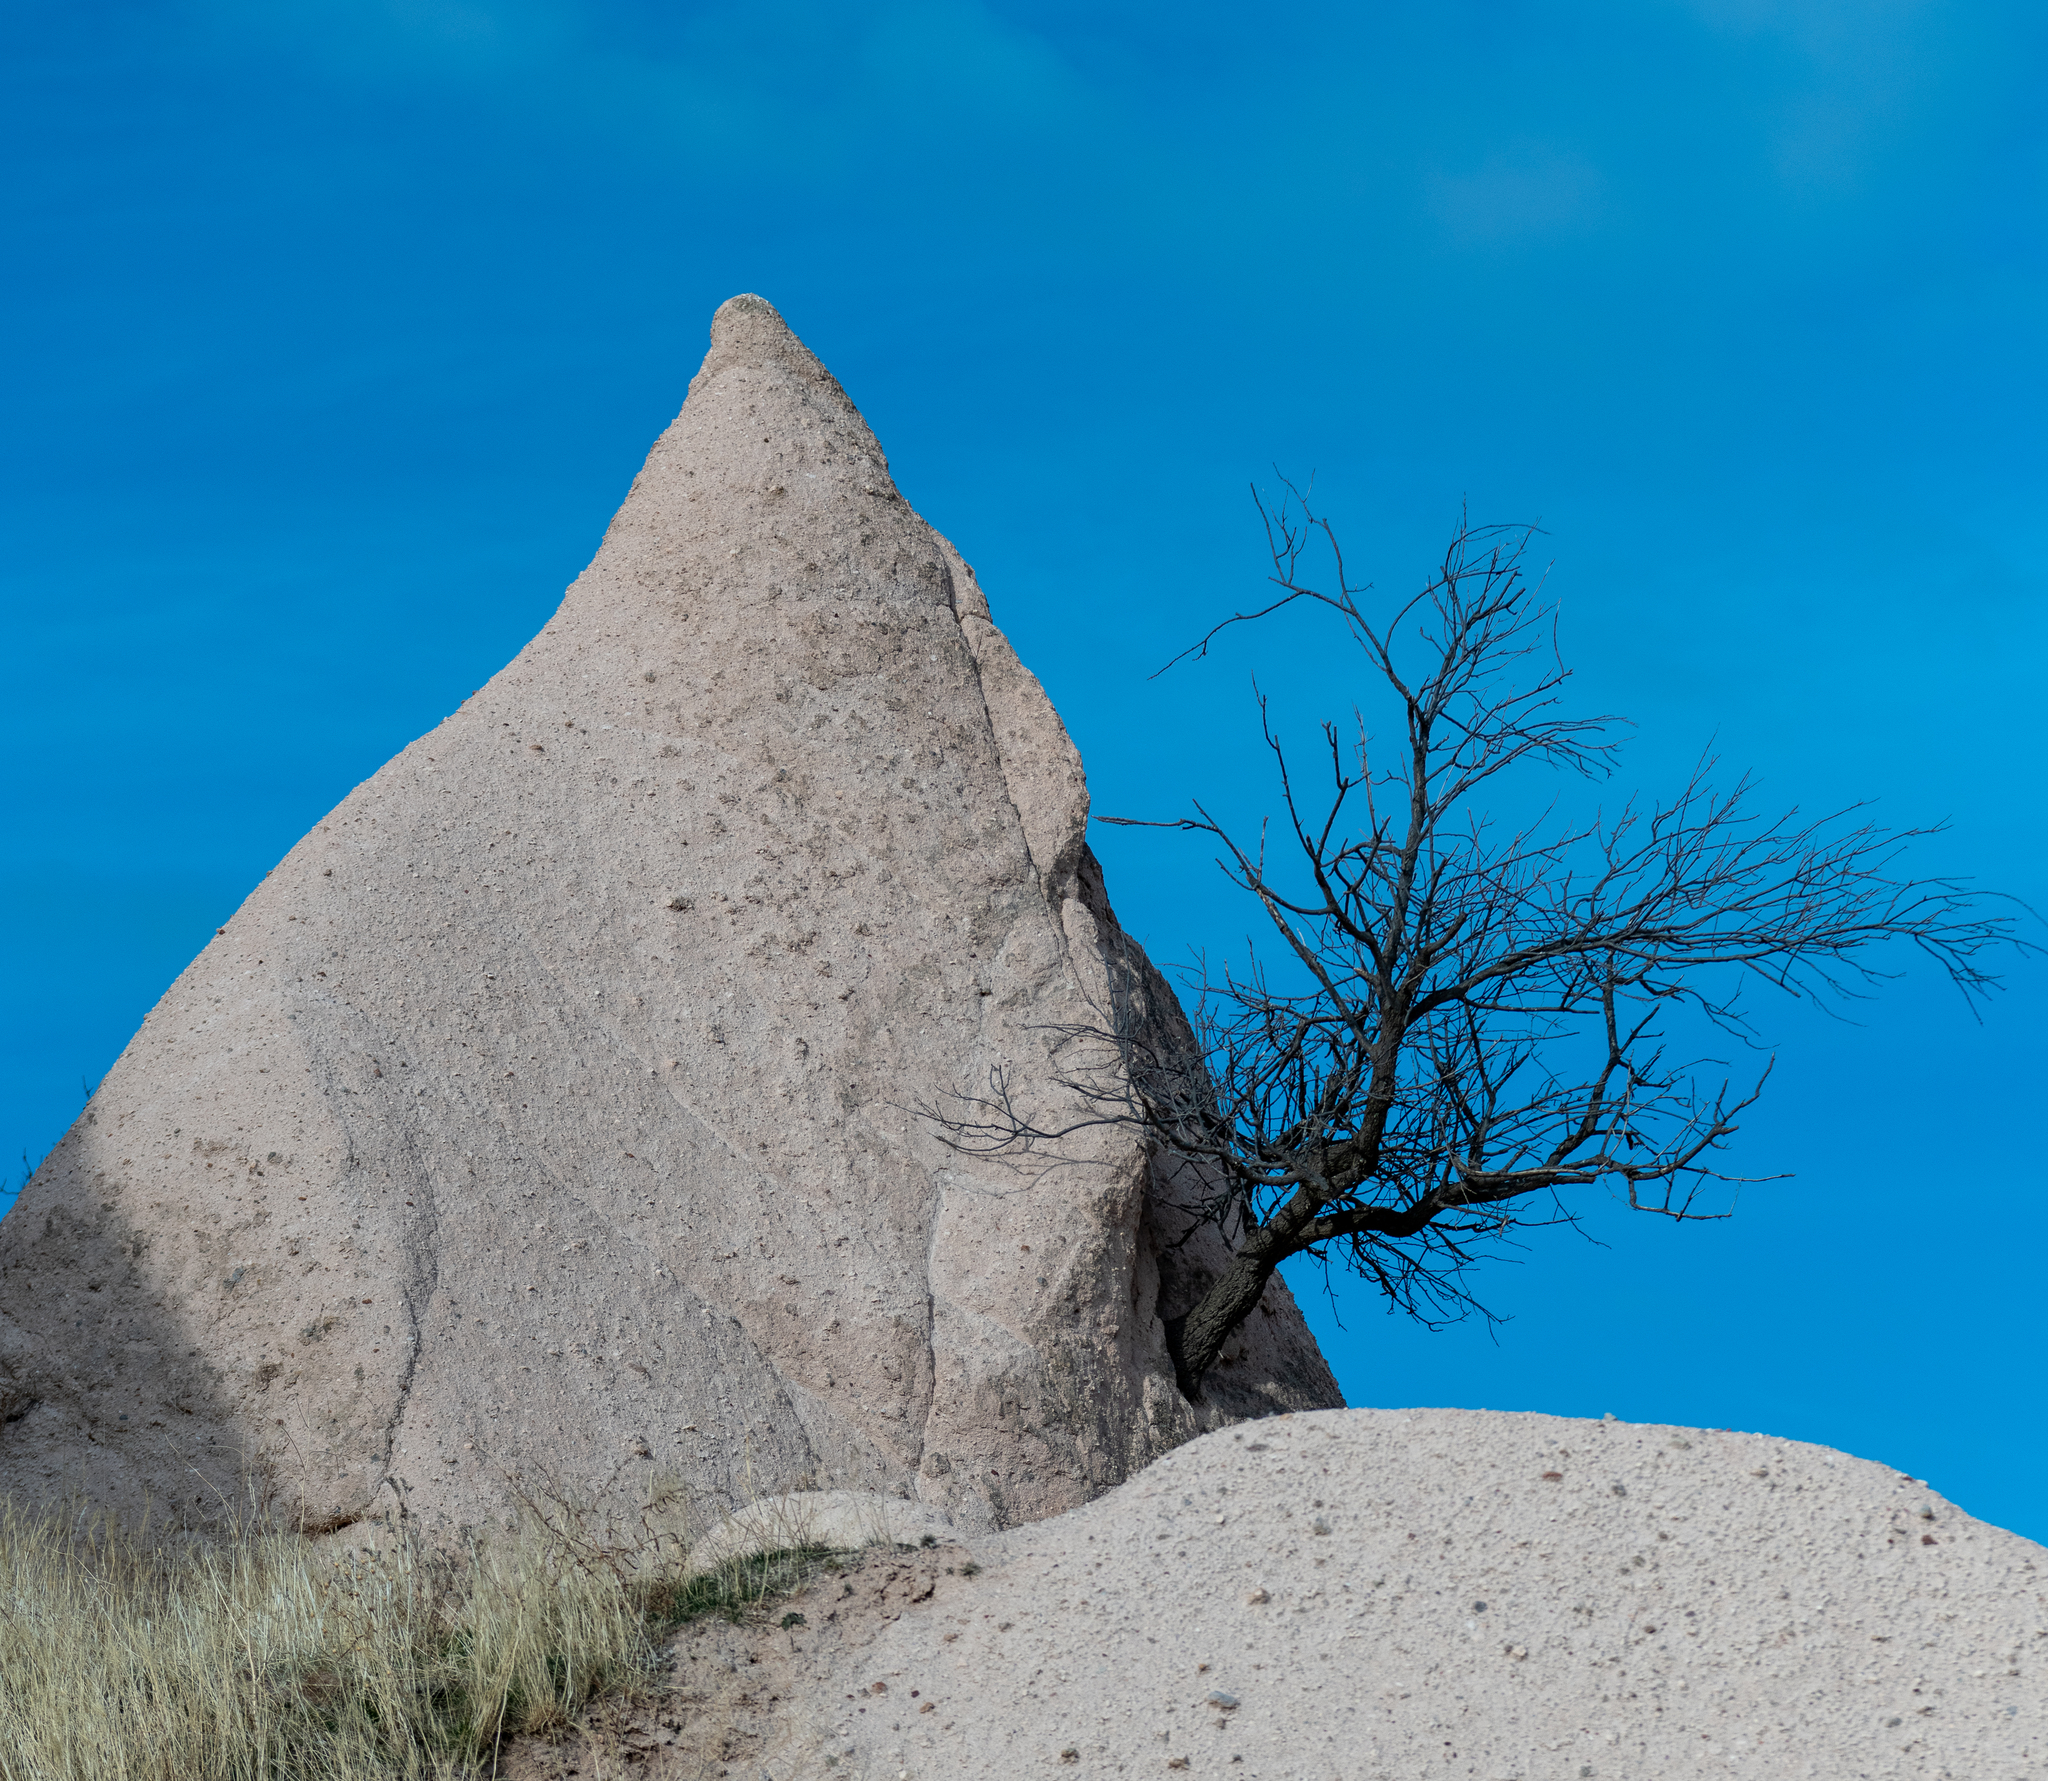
260	1658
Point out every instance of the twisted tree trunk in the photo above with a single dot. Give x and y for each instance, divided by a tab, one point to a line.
1196	1338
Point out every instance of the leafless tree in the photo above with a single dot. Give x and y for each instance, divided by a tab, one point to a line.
1461	1022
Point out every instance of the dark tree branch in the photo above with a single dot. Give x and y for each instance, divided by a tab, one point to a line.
1467	1025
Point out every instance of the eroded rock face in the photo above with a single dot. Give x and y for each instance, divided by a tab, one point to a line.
552	1107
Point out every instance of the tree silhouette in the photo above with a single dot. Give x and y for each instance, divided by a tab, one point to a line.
1457	1022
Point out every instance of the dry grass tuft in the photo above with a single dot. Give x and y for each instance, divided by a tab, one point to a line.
261	1658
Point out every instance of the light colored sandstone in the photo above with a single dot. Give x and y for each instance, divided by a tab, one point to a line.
830	1520
1387	1595
551	1108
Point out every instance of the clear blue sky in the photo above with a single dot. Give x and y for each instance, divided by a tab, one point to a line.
334	331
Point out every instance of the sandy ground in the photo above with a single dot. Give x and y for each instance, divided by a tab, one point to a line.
1374	1595
753	1699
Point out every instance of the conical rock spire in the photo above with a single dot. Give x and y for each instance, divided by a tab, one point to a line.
549	1112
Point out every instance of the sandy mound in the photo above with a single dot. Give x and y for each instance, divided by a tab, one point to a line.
1398	1594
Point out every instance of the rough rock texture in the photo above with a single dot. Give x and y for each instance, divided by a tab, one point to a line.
1390	1595
817	1520
552	1106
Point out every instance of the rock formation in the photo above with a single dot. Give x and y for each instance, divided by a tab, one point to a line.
1382	1594
551	1109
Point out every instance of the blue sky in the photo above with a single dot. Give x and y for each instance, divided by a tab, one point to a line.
336	331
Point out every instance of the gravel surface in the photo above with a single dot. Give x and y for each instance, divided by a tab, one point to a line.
1358	1594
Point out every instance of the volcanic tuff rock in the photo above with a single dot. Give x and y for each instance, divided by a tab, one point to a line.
551	1107
1383	1594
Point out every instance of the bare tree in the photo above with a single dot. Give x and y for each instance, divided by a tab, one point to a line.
1461	1022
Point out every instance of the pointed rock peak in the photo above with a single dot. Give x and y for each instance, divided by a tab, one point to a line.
748	332
543	1111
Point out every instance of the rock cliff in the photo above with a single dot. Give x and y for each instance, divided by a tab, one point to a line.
550	1110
